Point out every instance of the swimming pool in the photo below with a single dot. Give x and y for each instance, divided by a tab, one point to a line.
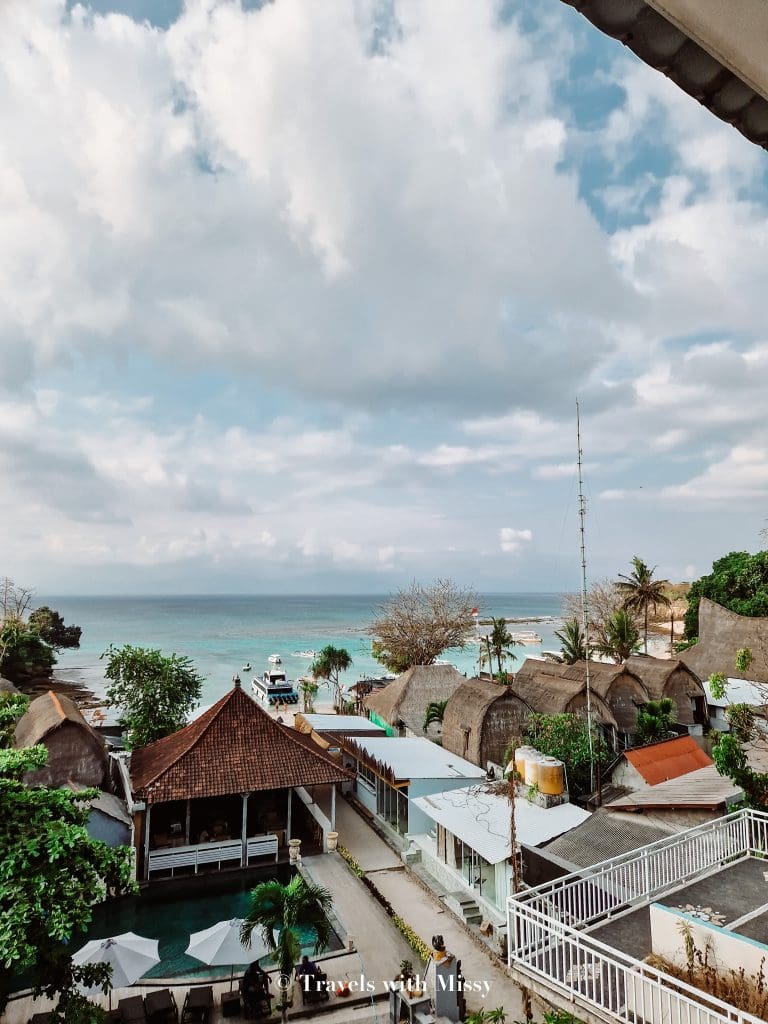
171	911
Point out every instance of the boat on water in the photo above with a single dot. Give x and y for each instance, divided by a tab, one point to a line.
275	659
247	667
274	687
304	654
526	636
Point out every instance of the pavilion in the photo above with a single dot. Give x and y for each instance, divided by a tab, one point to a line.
221	792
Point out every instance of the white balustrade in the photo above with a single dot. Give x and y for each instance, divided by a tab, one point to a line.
225	852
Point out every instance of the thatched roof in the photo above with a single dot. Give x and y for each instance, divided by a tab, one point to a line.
44	714
552	689
6	686
466	726
406	699
654	673
721	634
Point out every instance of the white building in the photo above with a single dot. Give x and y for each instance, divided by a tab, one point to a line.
737	691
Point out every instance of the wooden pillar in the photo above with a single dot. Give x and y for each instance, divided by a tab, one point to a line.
244	832
189	820
288	823
333	807
146	840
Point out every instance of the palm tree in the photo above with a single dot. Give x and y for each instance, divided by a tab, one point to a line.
500	643
329	662
279	911
572	645
642	592
622	638
654	720
435	712
308	690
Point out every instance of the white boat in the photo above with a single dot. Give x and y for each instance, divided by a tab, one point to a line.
247	667
273	686
526	636
305	654
275	659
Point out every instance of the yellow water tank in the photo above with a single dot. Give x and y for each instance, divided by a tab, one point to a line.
531	776
551	776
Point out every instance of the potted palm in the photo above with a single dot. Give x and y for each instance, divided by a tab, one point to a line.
279	912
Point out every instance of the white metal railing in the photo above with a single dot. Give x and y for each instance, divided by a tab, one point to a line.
225	852
595	975
610	887
545	940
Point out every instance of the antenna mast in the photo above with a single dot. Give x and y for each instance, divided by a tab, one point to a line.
584	613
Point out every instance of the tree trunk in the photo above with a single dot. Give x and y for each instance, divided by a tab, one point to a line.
646	629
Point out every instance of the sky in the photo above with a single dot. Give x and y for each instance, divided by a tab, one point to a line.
299	297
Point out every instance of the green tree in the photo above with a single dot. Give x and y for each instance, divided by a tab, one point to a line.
435	712
655	720
308	690
24	655
729	754
50	626
12	707
51	875
641	592
154	693
282	913
328	664
622	638
417	624
738	581
566	737
501	642
572	646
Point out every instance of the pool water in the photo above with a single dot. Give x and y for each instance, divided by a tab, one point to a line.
170	911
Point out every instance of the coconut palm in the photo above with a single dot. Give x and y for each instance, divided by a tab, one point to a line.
327	665
500	643
280	912
435	712
308	690
654	720
642	592
622	638
572	645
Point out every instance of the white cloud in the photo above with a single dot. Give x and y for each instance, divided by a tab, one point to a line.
511	540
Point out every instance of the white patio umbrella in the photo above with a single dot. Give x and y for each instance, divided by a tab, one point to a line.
220	945
129	955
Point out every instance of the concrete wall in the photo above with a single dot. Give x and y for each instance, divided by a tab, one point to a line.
627	775
729	950
108	830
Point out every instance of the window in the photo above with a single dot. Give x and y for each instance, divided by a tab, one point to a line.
366	776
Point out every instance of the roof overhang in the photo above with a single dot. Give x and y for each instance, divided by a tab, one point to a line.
714	51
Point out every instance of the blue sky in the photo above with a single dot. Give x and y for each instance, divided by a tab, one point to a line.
299	296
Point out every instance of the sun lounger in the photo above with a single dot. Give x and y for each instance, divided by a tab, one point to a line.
198	1005
161	1007
132	1010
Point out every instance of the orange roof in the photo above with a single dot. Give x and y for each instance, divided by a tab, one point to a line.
658	762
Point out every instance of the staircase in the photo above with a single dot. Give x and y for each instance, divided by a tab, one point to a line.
468	908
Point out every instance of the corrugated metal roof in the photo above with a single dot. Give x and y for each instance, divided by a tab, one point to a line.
481	819
603	836
705	788
339	723
658	762
738	691
409	757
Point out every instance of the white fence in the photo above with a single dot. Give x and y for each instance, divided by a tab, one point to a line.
544	924
226	852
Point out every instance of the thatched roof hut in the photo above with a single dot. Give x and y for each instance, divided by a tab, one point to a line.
721	634
551	689
670	677
403	703
75	752
480	720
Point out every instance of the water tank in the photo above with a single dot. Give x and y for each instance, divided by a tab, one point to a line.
551	776
521	753
532	760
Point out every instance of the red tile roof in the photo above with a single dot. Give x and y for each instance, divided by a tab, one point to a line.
234	747
658	762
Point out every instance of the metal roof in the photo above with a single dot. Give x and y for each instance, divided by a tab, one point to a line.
704	788
481	819
738	691
416	758
605	835
713	50
340	723
669	759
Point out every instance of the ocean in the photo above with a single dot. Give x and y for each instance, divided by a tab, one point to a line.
221	634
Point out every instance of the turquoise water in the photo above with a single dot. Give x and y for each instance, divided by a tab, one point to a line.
171	912
223	633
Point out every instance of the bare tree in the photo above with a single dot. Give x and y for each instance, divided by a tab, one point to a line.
604	599
14	600
418	623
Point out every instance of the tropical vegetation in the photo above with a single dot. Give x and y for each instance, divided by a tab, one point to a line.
641	593
418	623
154	693
29	640
622	638
282	912
566	737
738	581
655	720
572	644
499	643
434	712
328	664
